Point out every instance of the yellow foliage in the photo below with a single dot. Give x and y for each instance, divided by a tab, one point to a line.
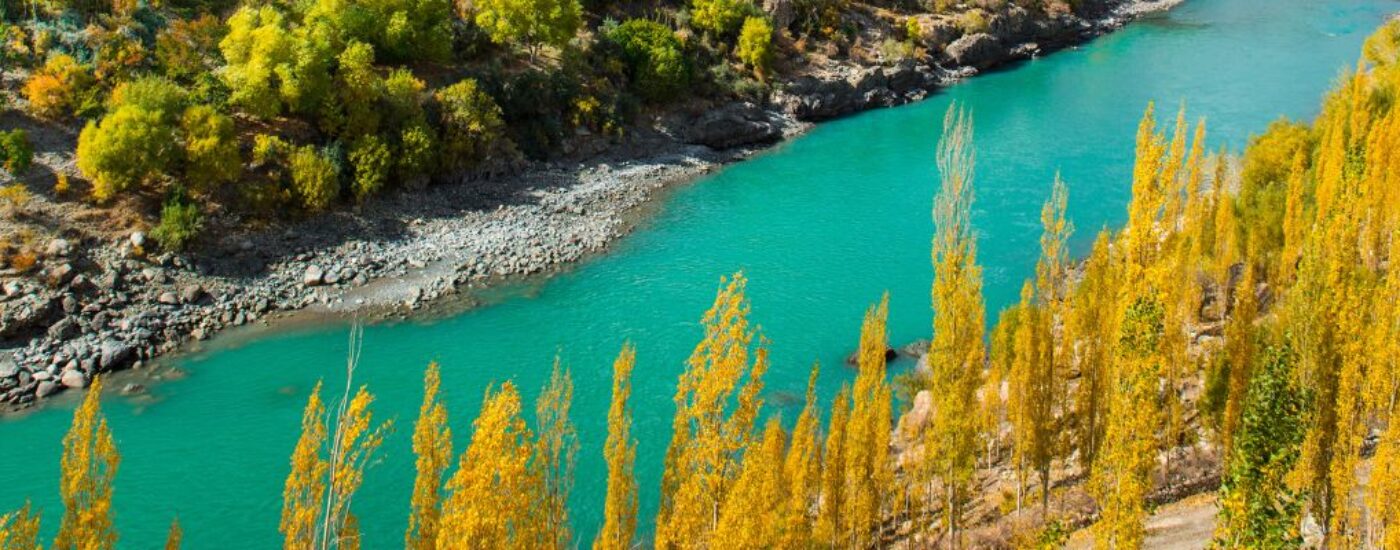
432	445
89	464
620	452
493	493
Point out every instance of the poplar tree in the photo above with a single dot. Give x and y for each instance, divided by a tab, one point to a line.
1091	324
1238	356
831	524
19	530
868	473
803	469
432	445
753	512
89	464
494	495
555	452
173	539
956	354
620	452
717	402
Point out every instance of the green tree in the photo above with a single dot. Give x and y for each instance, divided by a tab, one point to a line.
472	129
315	177
720	17
370	160
530	23
211	147
756	45
656	64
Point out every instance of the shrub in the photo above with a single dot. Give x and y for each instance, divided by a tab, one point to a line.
894	51
471	124
271	68
151	93
180	223
211	147
16	153
411	29
189	48
60	88
403	94
756	45
656	65
720	17
417	153
359	89
128	147
974	21
315	178
369	158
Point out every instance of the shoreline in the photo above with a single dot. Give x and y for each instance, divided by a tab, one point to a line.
392	259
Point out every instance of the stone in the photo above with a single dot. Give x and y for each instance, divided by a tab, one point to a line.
45	389
60	274
74	379
979	50
138	239
64	329
132	388
734	125
168	298
9	368
114	354
191	294
312	276
42	375
913	421
58	247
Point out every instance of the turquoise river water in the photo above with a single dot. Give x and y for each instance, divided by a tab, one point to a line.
821	225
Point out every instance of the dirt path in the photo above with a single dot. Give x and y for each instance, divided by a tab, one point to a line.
1182	525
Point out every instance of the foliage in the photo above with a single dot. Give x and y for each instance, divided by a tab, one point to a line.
60	88
180	223
370	160
1258	508
657	69
89	464
432	445
129	147
315	177
720	17
620	453
756	45
472	129
531	23
211	147
16	153
494	491
189	48
554	455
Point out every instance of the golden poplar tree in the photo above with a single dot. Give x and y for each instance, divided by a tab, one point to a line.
432	445
957	353
620	452
754	512
1383	497
803	468
1091	326
1029	398
19	530
869	474
493	499
305	488
831	524
717	402
1239	355
89	464
173	539
555	451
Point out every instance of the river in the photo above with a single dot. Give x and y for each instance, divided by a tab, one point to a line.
821	225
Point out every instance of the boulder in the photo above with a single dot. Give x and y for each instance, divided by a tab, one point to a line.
734	125
168	298
58	247
74	379
60	274
912	423
191	294
114	354
8	367
64	329
46	388
780	12
979	50
809	98
854	358
138	239
312	276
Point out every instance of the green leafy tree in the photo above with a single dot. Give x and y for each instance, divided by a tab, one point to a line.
16	153
211	147
315	177
180	222
127	148
370	159
472	128
530	23
359	89
1258	508
656	65
720	17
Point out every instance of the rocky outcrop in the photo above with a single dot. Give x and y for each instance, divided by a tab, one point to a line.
810	98
734	125
979	51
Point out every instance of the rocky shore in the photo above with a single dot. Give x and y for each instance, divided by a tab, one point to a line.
91	306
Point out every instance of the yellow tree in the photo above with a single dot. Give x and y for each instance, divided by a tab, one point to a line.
492	501
1122	475
432	445
89	464
1091	324
1384	494
19	530
802	469
754	512
1294	221
305	488
831	525
555	451
957	353
1238	356
869	475
717	402
173	539
620	452
1028	404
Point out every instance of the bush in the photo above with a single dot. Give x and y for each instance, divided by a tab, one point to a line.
359	89
60	88
411	29
417	153
720	17
128	147
756	45
369	158
180	223
189	48
974	21
531	23
16	153
472	128
271	68
211	147
151	93
656	65
315	178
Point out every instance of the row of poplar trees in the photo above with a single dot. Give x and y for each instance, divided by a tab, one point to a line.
1267	283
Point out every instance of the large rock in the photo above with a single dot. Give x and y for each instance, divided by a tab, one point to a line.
46	388
734	125
64	329
114	355
979	50
58	247
74	378
812	99
913	422
8	367
313	275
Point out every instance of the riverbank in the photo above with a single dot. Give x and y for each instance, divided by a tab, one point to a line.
103	306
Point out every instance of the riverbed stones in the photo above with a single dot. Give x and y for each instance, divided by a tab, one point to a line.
168	298
74	379
58	248
45	388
